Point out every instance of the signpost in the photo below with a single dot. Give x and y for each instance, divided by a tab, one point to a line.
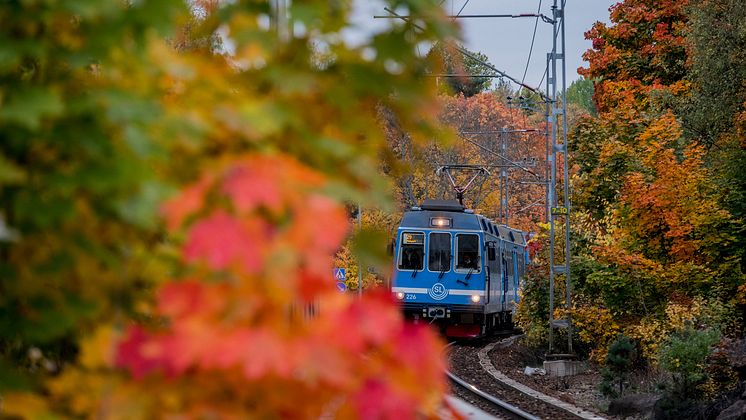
340	275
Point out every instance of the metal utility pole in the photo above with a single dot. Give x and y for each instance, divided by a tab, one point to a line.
558	213
279	19
504	181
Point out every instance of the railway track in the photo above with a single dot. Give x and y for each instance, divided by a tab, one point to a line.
499	398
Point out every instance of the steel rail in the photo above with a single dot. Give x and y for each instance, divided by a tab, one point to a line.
494	400
500	403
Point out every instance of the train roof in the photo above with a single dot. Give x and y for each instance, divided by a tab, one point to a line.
445	205
459	218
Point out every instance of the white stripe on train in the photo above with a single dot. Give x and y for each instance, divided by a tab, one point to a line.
457	292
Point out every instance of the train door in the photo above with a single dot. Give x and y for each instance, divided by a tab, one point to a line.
515	276
494	271
504	276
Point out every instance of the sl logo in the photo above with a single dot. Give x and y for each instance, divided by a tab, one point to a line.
438	291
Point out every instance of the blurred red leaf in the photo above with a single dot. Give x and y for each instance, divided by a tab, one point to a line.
222	240
138	353
376	400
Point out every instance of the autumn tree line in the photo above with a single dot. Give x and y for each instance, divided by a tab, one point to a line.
658	184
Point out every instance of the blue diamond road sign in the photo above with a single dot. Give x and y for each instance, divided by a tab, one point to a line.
340	274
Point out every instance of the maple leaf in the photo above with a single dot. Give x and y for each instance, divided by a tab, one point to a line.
253	184
176	299
264	353
222	240
377	318
138	353
376	400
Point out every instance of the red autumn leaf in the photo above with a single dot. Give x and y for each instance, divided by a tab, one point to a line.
412	346
176	299
191	343
376	400
264	353
190	298
376	318
139	353
253	184
311	283
221	240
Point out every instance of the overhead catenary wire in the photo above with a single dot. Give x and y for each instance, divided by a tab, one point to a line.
463	7
467	53
531	49
556	33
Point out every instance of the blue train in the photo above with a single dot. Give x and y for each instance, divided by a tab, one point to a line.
457	269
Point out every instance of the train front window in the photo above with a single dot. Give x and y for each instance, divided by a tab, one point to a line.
467	253
439	254
412	253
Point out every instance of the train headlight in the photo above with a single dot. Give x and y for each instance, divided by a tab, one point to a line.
399	295
440	222
476	298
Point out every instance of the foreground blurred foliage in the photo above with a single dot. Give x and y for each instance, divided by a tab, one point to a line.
108	108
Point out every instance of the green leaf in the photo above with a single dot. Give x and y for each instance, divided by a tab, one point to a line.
10	173
27	106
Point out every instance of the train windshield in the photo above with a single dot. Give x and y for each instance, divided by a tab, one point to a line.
467	253
412	252
439	256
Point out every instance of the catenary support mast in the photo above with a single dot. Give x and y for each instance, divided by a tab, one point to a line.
559	215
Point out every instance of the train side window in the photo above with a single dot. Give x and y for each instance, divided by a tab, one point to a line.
412	252
491	251
439	252
467	253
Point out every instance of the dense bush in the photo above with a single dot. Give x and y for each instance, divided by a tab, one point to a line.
683	356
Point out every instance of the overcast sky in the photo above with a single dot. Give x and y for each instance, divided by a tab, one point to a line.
507	41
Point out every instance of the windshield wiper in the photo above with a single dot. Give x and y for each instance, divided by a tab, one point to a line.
471	270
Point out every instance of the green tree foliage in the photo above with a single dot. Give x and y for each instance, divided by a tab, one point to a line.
714	113
620	359
717	69
78	174
461	69
580	93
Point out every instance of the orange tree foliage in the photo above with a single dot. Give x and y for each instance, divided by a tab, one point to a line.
645	44
483	112
660	231
264	144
